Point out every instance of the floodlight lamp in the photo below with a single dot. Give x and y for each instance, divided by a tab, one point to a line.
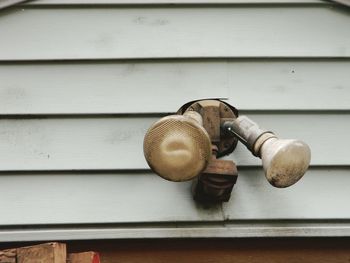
187	145
285	161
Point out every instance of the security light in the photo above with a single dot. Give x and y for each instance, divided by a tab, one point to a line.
186	146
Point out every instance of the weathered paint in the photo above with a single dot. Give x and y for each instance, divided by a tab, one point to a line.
77	86
177	32
115	142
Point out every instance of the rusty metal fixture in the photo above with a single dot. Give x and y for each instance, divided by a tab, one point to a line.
215	183
214	113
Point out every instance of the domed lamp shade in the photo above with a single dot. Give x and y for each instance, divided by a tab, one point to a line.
177	147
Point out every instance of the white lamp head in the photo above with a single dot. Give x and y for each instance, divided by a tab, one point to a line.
284	161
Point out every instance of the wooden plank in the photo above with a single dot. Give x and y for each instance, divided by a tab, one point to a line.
110	143
123	33
84	257
172	2
253	198
111	198
8	256
289	85
108	87
130	87
129	197
45	253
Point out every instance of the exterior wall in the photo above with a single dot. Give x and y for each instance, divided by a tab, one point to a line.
81	81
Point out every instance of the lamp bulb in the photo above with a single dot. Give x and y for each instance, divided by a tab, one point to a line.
177	147
285	161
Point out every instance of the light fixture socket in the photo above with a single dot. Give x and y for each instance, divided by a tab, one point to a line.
214	113
215	183
248	132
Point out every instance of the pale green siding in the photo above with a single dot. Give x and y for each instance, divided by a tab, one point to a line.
115	142
173	32
81	81
102	86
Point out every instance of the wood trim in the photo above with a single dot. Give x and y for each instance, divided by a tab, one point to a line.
213	230
281	250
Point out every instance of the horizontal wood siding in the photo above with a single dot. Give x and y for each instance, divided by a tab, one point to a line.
127	197
81	81
176	32
110	143
128	87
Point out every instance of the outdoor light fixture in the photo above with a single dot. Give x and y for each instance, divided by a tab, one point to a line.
186	146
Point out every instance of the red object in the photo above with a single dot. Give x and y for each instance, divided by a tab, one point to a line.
96	258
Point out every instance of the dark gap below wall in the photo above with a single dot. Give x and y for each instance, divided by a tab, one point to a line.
213	250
